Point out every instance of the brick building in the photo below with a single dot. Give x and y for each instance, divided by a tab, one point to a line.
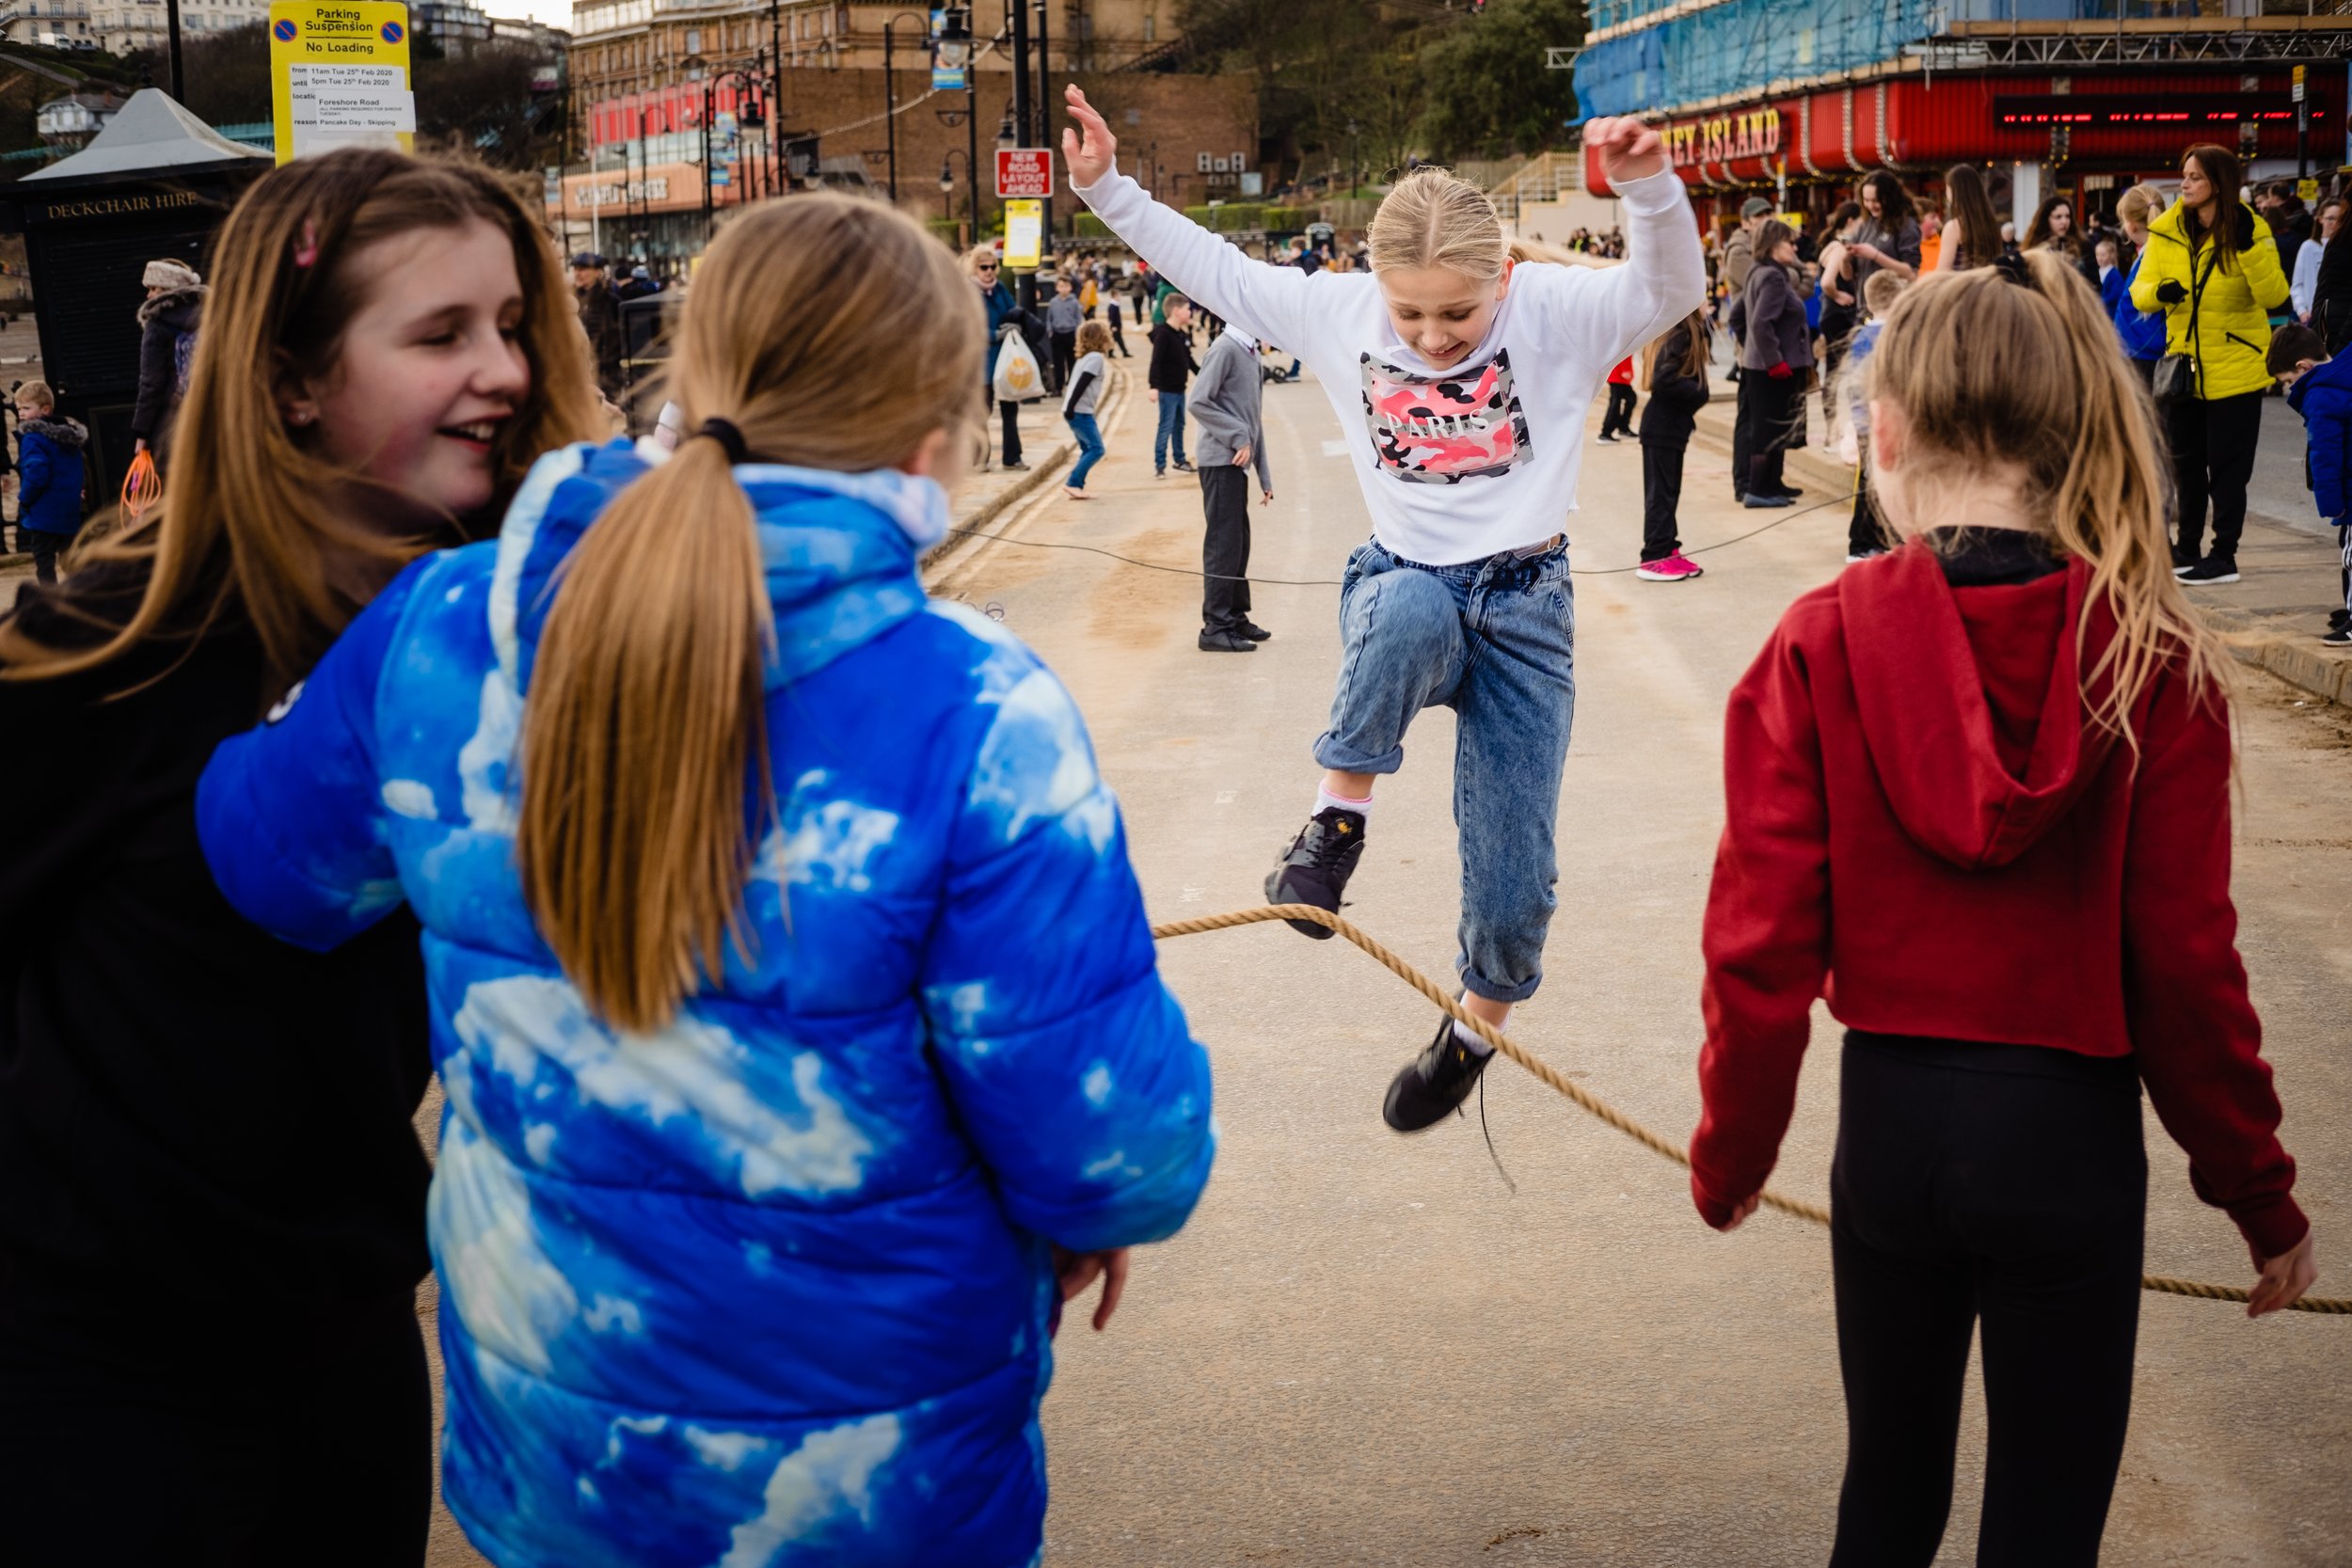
647	74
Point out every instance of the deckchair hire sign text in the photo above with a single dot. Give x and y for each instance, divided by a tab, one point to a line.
339	76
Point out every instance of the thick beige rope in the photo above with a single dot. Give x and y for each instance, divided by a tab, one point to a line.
1586	1100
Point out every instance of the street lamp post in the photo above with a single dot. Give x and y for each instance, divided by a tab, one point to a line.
947	187
746	87
890	97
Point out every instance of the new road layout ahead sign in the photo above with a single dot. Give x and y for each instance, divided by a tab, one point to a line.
339	76
1025	172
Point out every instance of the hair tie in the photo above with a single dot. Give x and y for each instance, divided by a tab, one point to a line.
306	250
729	438
2012	266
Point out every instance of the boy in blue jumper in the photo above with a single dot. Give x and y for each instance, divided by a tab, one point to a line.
2320	389
49	485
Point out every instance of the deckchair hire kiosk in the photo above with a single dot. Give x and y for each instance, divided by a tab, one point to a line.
155	184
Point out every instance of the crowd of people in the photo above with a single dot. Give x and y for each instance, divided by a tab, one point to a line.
772	931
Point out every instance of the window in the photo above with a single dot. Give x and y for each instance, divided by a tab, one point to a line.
693	40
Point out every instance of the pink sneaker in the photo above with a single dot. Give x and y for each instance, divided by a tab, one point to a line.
1676	567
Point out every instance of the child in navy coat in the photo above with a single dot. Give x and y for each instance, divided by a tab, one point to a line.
48	486
2320	389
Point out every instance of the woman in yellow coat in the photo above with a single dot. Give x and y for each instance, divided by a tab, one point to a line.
2213	269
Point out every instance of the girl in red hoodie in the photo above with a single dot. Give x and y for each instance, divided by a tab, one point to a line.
1979	800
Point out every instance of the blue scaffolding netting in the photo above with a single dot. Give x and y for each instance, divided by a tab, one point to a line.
1742	45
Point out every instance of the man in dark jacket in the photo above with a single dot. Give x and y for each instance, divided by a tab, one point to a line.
1172	365
168	322
600	318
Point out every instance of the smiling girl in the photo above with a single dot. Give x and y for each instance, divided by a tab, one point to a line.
214	1222
1465	374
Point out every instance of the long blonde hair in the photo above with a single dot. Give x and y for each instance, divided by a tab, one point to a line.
830	333
250	518
1988	370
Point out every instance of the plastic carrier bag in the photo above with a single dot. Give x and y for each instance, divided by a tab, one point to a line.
1017	378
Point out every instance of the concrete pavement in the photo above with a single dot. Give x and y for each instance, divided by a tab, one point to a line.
1364	1349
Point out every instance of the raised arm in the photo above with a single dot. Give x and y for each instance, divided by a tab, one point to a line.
1665	274
1266	301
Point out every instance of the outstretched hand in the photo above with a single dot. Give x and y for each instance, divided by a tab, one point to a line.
1092	155
1629	149
2284	1278
1078	1269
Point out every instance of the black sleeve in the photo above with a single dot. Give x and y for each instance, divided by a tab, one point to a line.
1077	390
157	342
2331	297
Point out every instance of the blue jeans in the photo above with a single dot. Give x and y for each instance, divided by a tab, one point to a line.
1171	431
1089	436
1495	640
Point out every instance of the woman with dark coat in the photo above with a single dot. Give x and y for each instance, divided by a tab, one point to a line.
167	323
1001	306
1773	359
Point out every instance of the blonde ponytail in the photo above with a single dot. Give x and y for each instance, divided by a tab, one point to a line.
830	333
1988	371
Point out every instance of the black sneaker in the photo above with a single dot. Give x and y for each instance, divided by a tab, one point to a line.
2182	558
1315	869
1255	632
1182	468
2339	619
1227	642
1433	1085
2214	568
2337	637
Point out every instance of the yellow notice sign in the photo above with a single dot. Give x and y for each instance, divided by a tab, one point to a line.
1024	232
339	76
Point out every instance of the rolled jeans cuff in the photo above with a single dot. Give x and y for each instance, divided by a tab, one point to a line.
1478	985
1339	757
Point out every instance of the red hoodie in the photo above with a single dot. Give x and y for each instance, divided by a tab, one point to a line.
1623	374
1921	831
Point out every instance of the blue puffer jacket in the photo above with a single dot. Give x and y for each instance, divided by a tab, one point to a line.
49	475
2324	398
772	1284
2142	331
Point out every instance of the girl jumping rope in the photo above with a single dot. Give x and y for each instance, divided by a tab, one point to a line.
800	1027
1465	374
1979	794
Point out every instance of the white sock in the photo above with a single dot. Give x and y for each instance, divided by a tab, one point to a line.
1468	1036
1325	801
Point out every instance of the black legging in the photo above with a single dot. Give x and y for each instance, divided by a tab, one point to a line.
1661	499
1618	417
246	1456
2212	457
2000	1183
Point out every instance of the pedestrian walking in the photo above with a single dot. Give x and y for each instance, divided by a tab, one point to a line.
781	1121
1078	404
1972	233
2215	272
2143	332
1000	309
1227	404
216	1215
1738	262
600	319
2320	389
1677	373
1468	415
1064	315
1119	337
51	495
168	320
1172	366
2303	280
1774	361
1617	419
1866	530
1979	797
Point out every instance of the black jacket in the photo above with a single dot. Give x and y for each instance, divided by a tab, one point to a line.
1675	398
163	321
1172	364
2331	297
600	318
1772	318
203	1132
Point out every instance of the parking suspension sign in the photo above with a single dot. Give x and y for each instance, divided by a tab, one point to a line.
339	76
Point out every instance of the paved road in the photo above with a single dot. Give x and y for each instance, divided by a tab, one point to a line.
1365	1349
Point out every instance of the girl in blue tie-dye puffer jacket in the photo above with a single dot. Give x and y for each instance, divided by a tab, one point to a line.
792	991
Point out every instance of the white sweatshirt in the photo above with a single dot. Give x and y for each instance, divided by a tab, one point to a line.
1479	458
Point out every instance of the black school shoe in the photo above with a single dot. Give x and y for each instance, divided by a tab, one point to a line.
1315	869
1253	631
1226	642
1433	1085
2214	568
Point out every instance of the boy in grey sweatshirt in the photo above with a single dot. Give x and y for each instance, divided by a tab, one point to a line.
1226	408
1063	315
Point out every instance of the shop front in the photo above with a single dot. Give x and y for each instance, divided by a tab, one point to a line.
2089	136
655	213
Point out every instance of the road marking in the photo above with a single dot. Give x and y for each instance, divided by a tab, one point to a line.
1335	449
1192	894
